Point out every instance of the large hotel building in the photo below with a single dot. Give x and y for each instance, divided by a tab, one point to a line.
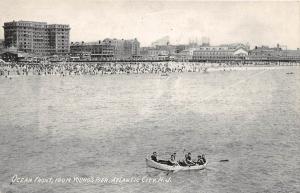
37	38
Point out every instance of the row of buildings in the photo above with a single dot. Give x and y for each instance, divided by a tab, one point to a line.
25	39
108	49
195	52
39	39
225	52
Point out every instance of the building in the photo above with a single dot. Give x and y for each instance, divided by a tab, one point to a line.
290	55
144	52
276	53
131	48
153	53
37	38
223	52
180	48
107	49
125	49
119	51
149	53
161	52
265	52
59	38
185	55
93	50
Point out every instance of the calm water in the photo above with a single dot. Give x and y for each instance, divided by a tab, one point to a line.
105	126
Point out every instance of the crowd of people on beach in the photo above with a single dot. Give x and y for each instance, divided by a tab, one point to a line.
100	68
93	68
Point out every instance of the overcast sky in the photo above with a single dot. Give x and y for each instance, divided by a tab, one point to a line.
259	23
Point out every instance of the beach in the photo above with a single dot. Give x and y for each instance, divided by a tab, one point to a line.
12	69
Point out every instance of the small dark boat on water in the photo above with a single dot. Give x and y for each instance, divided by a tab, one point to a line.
290	73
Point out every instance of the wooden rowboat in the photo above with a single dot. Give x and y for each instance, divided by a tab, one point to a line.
152	164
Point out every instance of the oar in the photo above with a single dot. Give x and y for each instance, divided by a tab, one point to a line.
211	163
224	160
215	162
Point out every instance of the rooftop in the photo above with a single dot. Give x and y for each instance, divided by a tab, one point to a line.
33	23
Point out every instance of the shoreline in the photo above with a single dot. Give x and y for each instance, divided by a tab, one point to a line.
255	67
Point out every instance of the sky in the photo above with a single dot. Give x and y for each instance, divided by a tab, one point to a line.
254	22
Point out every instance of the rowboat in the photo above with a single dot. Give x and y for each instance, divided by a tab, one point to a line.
152	164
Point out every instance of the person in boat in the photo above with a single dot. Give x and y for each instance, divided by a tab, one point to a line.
183	162
201	160
188	159
174	154
172	161
154	158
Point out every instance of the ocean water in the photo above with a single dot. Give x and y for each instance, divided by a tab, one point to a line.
105	126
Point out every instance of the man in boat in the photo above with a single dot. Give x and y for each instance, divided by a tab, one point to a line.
174	154
201	160
154	158
188	160
183	162
172	161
